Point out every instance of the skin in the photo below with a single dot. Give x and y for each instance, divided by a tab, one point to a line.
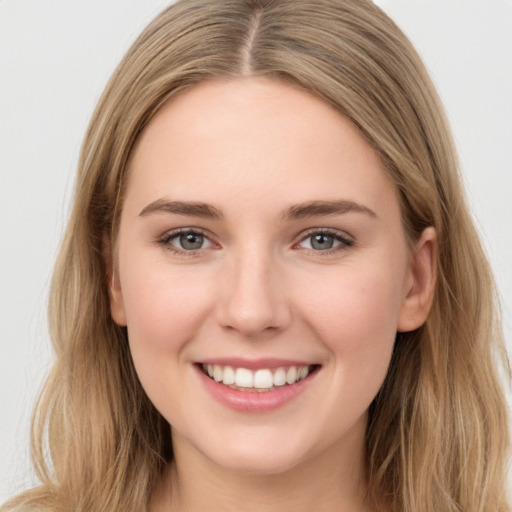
252	148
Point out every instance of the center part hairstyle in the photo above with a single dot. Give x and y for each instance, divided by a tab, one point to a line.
437	434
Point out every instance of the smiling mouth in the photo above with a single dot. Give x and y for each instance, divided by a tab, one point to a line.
261	380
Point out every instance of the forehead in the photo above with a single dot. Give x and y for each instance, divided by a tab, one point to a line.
254	140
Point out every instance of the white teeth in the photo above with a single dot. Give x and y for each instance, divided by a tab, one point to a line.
291	375
244	378
217	373
280	377
229	375
264	378
303	372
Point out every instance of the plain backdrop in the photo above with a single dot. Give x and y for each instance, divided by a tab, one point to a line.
55	58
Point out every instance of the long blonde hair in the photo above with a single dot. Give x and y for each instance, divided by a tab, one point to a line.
437	435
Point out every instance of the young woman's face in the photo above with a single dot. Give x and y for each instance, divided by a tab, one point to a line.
260	242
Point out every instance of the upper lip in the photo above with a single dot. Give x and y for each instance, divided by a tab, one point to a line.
253	364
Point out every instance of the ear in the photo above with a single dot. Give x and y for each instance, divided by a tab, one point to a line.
113	283
420	282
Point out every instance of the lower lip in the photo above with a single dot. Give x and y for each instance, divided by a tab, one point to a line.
254	401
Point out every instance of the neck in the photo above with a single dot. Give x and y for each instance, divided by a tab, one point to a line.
333	480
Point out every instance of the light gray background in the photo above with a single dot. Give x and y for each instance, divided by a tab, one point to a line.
55	58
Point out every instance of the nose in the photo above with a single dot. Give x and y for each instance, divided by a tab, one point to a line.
253	299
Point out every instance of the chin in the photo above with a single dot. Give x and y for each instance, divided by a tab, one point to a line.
263	465
259	457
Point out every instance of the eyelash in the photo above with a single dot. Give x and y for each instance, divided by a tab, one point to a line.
165	241
344	241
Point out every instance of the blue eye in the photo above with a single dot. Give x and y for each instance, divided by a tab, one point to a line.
325	241
186	241
189	241
321	242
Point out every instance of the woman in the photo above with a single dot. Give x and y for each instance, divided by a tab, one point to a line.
270	284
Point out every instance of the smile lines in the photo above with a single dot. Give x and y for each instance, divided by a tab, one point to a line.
263	379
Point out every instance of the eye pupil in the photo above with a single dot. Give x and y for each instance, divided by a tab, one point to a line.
322	242
191	241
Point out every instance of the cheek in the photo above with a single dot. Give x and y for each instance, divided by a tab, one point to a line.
164	311
356	319
356	303
163	308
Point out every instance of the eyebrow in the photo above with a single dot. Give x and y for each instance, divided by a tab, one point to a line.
297	211
193	209
321	208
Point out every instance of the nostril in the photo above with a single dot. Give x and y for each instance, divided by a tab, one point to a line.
251	299
254	319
